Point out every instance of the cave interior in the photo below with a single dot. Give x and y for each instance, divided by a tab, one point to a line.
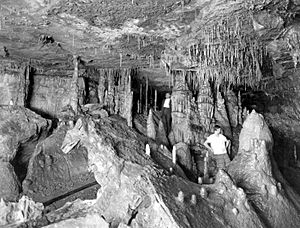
82	85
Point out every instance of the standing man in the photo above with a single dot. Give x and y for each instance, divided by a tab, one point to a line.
166	113
218	144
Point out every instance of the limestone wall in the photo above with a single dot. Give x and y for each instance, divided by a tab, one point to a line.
13	84
50	94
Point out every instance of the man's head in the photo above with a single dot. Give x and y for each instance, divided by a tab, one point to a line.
168	95
217	129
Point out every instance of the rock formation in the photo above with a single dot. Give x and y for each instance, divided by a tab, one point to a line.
20	130
151	131
148	196
255	171
92	69
52	175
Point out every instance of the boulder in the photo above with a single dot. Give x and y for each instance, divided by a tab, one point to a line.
18	126
13	214
52	175
9	185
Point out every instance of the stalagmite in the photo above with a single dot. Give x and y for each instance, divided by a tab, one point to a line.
148	151
120	60
146	97
200	180
141	98
151	133
155	100
180	196
193	199
203	192
174	155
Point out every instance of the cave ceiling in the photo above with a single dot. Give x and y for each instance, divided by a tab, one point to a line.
136	33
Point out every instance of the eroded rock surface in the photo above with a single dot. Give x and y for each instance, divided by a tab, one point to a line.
13	214
17	126
9	185
255	127
53	174
255	171
134	192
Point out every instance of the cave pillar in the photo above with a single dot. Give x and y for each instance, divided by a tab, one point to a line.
184	112
205	104
233	108
74	90
101	87
221	115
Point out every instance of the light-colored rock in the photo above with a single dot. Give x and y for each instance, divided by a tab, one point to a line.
256	171
151	132
12	214
88	221
255	127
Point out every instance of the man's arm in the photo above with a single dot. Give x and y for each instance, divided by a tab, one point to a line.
206	144
227	143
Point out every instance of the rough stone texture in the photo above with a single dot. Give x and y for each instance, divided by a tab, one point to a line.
14	81
136	193
255	127
256	172
13	214
9	185
151	131
114	91
205	105
221	115
73	93
186	125
184	155
17	127
161	137
88	221
50	94
52	174
233	108
95	110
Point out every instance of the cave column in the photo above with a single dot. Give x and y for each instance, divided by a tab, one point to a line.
74	90
205	104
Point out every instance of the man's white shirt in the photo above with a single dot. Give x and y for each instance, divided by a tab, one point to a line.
217	143
167	103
